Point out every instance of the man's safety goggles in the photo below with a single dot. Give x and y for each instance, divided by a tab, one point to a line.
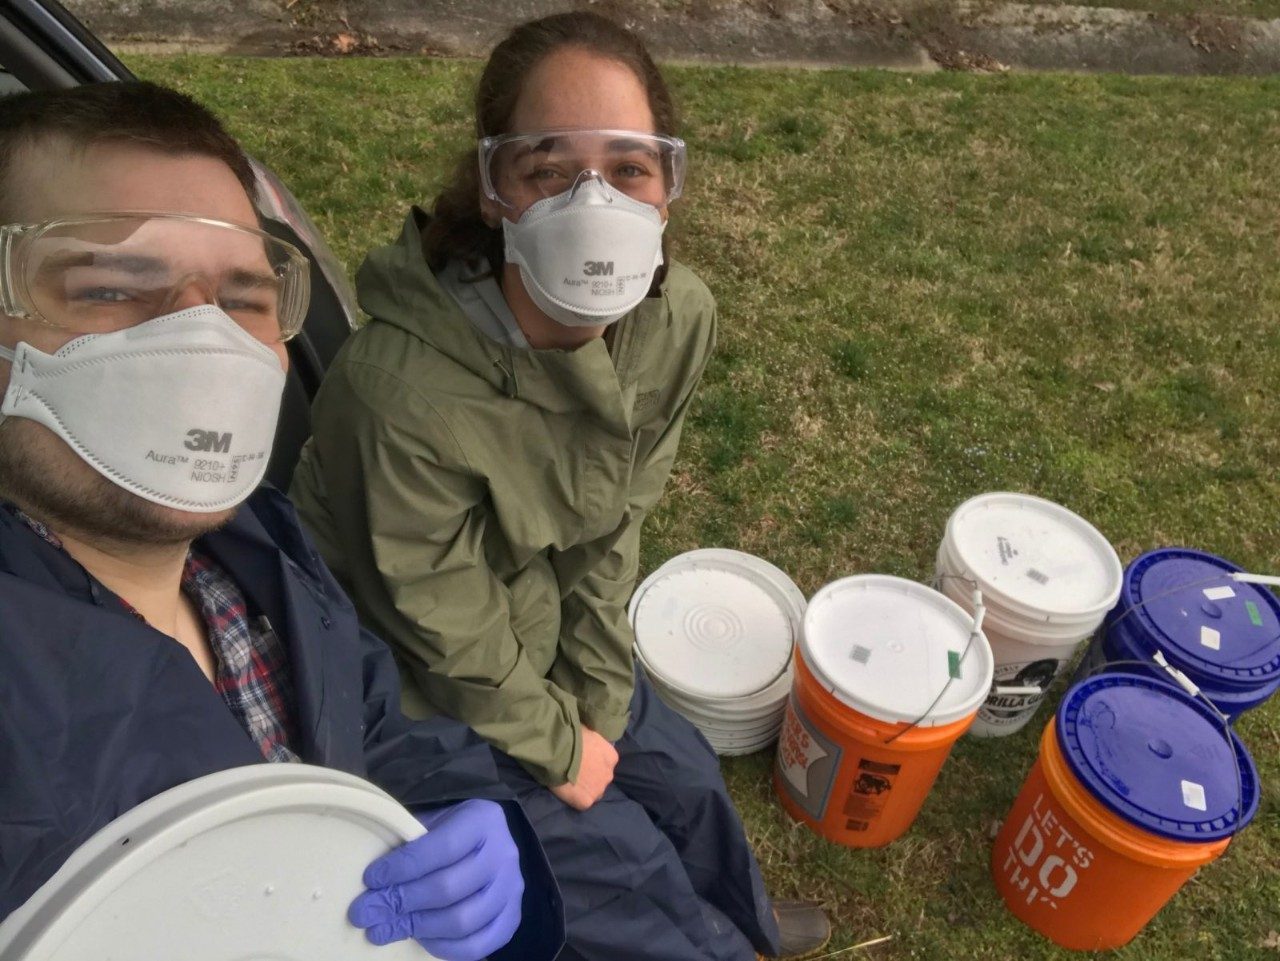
520	169
98	274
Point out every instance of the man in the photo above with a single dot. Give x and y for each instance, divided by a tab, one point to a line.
160	619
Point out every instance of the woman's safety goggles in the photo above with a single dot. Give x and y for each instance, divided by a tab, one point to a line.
98	274
518	170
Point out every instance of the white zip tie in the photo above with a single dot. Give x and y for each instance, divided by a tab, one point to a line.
1183	681
979	612
1268	579
1018	690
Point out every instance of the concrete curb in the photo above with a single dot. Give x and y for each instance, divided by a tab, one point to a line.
916	35
1120	41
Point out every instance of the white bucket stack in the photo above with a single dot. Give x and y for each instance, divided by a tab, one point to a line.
715	630
1047	578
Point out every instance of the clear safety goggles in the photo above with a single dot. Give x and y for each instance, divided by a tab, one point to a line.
99	274
520	169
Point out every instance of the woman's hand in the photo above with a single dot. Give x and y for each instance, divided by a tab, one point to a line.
456	890
595	773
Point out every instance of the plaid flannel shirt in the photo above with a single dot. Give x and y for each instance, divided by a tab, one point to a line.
252	673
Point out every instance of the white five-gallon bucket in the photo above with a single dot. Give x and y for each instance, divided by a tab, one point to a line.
1047	579
715	630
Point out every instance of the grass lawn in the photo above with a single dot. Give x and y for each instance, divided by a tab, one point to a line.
929	287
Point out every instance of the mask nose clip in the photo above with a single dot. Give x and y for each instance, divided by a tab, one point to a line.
586	176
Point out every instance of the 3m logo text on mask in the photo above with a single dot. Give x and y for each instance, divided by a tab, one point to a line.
580	251
208	440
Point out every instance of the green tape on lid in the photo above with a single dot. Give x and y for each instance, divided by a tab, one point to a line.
1255	616
953	664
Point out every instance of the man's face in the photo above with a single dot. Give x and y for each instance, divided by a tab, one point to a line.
38	471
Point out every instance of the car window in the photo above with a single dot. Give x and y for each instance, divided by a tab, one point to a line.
9	84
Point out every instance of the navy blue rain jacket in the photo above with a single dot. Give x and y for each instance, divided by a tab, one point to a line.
99	712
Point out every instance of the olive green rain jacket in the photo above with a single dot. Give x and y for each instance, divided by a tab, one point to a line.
483	504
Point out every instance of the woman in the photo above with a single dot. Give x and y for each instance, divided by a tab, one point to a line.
484	454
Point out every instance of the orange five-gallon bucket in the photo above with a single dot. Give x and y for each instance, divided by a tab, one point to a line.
1135	788
889	674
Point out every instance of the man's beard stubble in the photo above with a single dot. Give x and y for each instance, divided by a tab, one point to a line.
46	479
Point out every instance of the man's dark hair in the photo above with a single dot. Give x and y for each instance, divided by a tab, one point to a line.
134	112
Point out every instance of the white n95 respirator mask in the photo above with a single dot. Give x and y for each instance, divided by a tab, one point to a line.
587	256
180	410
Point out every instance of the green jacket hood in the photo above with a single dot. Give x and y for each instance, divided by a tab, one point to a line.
397	288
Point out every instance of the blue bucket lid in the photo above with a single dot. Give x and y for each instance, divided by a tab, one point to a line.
1157	757
1185	603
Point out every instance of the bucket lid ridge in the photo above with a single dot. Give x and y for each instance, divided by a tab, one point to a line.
886	647
1184	602
1157	757
716	625
1033	557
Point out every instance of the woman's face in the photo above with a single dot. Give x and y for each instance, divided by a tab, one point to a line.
574	89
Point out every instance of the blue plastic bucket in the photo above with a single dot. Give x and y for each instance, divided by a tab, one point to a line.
1224	635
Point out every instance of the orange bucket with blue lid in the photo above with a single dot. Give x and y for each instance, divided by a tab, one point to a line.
1137	786
889	674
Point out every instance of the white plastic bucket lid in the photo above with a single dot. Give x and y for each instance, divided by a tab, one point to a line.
1033	557
723	748
887	647
707	722
742	737
959	587
259	862
716	624
734	739
1025	629
734	750
770	700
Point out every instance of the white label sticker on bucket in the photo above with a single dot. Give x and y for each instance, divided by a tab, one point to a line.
1219	593
1193	796
807	761
1210	638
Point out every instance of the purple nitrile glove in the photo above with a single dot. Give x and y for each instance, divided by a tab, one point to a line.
456	890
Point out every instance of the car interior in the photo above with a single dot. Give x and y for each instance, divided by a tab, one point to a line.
43	47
